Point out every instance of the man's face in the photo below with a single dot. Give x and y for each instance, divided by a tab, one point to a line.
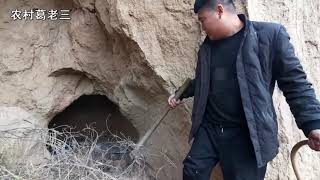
210	21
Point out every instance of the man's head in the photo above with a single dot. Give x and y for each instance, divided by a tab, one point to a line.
214	15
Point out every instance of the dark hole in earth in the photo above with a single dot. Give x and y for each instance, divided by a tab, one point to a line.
93	111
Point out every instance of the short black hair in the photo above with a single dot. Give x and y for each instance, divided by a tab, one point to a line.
210	4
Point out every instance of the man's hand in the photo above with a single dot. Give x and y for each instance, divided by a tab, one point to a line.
173	103
314	140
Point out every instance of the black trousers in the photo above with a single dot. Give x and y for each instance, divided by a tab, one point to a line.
230	146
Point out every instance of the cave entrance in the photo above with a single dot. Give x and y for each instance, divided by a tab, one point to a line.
97	112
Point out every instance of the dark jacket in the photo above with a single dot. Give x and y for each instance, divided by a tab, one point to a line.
265	56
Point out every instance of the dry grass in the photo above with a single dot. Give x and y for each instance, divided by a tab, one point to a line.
76	155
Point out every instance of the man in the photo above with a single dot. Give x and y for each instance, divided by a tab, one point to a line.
233	118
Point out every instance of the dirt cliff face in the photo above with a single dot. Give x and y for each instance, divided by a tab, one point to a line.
135	53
